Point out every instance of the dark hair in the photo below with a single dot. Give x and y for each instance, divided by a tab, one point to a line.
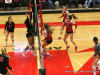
70	16
48	28
9	18
95	39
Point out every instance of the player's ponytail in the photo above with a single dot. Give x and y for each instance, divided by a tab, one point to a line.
95	39
48	28
3	50
72	16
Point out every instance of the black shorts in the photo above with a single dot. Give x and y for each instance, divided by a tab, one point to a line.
3	71
10	31
69	32
29	35
49	42
63	21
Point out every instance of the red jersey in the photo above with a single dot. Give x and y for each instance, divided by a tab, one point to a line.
65	14
68	25
47	35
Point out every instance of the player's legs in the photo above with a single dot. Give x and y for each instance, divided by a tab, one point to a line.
8	73
12	37
45	51
6	38
93	66
65	37
71	38
61	31
33	46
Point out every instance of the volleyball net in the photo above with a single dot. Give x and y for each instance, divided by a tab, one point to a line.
37	36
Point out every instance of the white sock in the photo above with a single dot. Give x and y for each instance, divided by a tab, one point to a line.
60	36
94	73
12	42
46	53
67	45
5	42
75	45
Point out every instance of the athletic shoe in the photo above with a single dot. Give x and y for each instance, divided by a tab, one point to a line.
59	38
49	56
75	48
13	44
5	45
67	48
33	53
23	53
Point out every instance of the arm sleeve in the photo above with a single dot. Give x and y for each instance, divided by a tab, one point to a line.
27	22
13	27
74	24
7	63
67	13
45	34
5	25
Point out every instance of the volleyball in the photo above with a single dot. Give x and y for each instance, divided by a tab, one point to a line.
57	3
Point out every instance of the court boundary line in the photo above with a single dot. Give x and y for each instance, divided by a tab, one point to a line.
76	61
89	34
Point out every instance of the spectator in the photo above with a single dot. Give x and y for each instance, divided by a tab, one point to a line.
71	3
50	4
87	3
44	3
8	2
95	1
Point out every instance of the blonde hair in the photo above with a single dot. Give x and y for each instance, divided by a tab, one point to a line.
48	28
4	52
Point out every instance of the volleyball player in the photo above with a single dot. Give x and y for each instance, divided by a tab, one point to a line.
4	62
29	35
69	30
9	28
65	13
96	55
48	39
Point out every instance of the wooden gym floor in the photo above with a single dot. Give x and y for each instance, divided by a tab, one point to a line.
82	37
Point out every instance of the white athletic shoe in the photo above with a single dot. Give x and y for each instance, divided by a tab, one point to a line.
23	53
33	53
5	45
13	44
49	56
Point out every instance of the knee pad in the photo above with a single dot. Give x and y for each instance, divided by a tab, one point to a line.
12	38
73	42
93	67
6	37
61	30
65	41
29	46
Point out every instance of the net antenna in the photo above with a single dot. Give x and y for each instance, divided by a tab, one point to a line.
37	37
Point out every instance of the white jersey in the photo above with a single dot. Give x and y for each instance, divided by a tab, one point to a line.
98	63
8	1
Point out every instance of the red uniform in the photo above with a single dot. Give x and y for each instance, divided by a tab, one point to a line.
68	25
47	35
64	14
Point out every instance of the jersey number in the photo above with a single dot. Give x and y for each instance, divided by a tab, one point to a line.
1	59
